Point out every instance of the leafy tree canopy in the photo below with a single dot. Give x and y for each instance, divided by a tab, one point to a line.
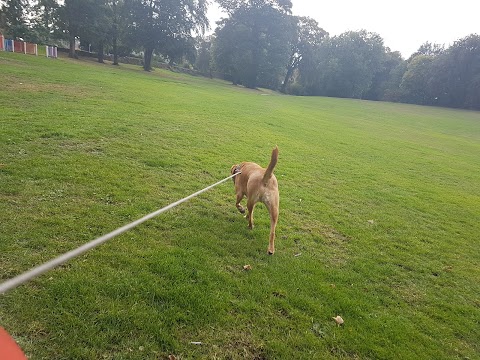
231	6
252	45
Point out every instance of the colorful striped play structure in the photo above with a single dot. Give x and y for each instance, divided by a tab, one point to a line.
51	51
25	47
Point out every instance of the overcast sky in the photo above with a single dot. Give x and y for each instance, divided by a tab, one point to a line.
404	25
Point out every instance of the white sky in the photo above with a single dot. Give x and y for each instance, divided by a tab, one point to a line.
404	25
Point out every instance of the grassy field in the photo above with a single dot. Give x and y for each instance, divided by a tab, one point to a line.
379	221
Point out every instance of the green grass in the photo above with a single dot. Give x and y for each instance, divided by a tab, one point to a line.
381	200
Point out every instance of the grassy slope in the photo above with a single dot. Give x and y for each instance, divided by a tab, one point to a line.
381	200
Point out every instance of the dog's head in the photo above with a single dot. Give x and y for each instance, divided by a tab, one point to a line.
235	169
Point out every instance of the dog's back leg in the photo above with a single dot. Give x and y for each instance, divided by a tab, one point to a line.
240	207
273	224
250	207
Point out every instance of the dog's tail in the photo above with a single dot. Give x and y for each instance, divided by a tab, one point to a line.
271	166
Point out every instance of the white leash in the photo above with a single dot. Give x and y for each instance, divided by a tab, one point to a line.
38	270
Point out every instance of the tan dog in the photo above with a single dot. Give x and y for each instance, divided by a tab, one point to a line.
258	184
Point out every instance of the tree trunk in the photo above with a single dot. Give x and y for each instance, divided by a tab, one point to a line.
115	33
115	50
100	52
72	53
147	59
252	72
287	79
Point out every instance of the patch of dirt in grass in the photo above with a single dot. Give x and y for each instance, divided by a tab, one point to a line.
333	235
339	353
241	348
64	142
16	84
411	294
335	243
234	344
12	61
88	148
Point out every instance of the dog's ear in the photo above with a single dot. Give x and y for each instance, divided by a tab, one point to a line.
232	170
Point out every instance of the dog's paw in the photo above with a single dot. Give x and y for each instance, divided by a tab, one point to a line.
271	252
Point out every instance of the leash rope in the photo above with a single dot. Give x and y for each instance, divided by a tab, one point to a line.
38	270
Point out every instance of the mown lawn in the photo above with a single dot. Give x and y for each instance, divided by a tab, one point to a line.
379	223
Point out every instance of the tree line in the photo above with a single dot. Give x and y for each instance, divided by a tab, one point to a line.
258	44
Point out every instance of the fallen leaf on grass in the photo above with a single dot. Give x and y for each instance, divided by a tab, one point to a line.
247	267
338	319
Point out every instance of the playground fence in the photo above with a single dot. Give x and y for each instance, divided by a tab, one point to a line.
25	47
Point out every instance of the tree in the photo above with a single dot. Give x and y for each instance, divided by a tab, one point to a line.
230	50
14	14
391	87
118	26
252	45
99	29
203	59
307	36
166	25
344	65
44	19
428	49
386	80
231	6
415	79
76	19
177	49
455	75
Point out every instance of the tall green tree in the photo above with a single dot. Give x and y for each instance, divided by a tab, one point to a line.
119	19
14	16
231	50
429	49
455	75
164	25
203	59
44	15
390	88
344	65
98	30
307	36
231	6
76	18
414	81
388	76
252	46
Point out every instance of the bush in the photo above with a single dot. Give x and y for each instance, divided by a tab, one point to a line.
296	89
